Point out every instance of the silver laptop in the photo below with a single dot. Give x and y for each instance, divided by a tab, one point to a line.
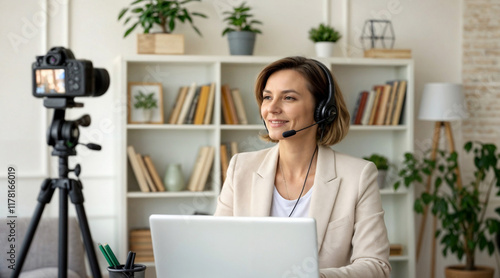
192	246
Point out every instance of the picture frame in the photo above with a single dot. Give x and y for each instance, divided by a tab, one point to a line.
137	115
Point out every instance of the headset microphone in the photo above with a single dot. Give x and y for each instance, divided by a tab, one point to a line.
292	132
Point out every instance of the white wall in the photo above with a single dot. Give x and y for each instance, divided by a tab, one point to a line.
432	29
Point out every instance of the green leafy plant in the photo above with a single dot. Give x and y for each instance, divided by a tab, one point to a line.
239	20
147	13
143	101
460	209
324	33
380	161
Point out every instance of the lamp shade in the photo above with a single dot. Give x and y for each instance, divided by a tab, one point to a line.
442	102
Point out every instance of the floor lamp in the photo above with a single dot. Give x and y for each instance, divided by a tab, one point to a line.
441	103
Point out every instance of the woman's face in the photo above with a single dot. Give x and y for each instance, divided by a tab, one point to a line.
287	104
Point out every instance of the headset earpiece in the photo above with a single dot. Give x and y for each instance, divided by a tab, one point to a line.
327	108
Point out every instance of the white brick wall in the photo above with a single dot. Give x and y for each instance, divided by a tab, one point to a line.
481	70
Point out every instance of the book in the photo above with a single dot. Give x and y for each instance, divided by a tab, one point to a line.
391	102
154	174
181	96
224	160
234	148
205	171
356	108
382	109
202	105
210	105
396	119
240	107
388	53
149	180
226	113
368	108
187	103
361	109
139	175
192	107
197	168
376	104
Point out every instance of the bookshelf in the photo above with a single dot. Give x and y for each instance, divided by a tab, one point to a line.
167	143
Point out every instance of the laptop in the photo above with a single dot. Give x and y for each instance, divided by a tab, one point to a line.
192	246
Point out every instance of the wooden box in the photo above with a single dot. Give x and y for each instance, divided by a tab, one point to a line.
160	44
388	53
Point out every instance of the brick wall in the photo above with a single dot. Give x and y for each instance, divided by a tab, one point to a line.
481	70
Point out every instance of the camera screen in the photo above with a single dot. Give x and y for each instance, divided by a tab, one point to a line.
50	81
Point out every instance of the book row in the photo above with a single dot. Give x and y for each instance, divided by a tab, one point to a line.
149	180
383	105
194	105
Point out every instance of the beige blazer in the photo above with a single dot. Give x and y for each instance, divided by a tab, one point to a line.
346	204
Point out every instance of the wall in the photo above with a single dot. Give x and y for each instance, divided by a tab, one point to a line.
430	28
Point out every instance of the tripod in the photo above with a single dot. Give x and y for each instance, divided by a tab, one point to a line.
63	136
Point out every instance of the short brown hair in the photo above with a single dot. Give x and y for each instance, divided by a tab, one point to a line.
317	84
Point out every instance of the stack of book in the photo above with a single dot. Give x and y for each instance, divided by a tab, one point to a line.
381	106
396	250
201	170
193	105
145	172
227	150
233	110
142	245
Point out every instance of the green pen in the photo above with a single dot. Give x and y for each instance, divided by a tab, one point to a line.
110	263
111	255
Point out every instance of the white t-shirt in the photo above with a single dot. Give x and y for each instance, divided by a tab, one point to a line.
282	207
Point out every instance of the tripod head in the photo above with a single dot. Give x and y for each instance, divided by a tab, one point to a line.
63	135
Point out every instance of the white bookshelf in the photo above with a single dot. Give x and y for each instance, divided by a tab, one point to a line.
180	143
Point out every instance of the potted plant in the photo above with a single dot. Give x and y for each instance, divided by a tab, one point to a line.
324	38
164	14
147	103
382	164
240	31
460	209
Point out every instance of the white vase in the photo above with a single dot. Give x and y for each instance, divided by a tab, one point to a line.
324	49
174	179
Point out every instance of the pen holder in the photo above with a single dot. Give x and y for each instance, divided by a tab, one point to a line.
138	271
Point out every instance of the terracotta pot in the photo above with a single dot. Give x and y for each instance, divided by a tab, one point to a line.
457	271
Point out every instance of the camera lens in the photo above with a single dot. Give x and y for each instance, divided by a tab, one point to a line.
101	79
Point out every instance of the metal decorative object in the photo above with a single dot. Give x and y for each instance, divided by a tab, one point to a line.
377	32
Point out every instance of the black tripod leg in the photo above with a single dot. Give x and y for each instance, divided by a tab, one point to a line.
63	231
44	197
76	197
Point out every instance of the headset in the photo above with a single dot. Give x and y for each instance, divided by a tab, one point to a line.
326	111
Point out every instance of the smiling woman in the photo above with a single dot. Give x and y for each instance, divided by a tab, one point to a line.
303	177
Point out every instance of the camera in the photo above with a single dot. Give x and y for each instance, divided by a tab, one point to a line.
58	74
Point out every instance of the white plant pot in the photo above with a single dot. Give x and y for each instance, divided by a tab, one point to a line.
324	49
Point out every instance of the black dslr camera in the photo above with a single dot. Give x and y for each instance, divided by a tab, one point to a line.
58	74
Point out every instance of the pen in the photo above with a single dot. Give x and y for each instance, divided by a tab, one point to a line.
128	263
111	255
110	263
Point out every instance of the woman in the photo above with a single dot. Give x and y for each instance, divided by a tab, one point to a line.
303	177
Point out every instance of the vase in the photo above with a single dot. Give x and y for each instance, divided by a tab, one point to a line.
174	179
381	178
160	43
324	49
241	42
